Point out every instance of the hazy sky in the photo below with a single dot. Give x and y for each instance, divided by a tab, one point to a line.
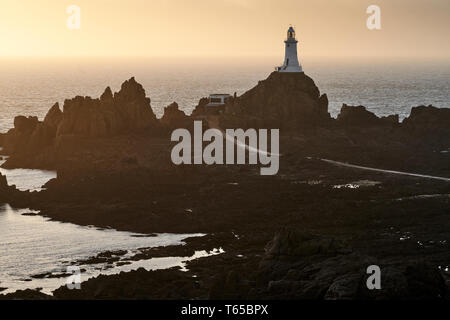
410	28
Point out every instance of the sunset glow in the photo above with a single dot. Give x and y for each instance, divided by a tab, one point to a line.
223	28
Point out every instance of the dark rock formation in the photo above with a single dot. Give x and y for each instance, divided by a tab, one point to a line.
10	194
112	174
54	117
291	102
359	116
34	143
293	243
3	183
25	125
128	110
283	100
427	127
430	119
392	119
27	294
291	246
139	284
18	137
422	120
201	108
301	266
174	118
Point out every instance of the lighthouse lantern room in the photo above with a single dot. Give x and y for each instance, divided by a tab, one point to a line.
291	63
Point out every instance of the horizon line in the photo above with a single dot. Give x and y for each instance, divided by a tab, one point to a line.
246	56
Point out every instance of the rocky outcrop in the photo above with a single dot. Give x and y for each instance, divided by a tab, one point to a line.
124	112
31	137
392	120
17	139
201	108
10	194
25	125
422	120
288	101
174	118
128	110
3	183
53	117
429	119
293	246
283	100
298	265
359	116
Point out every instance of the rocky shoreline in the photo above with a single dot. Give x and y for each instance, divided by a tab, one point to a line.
290	236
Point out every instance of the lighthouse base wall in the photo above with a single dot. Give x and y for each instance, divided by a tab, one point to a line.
290	69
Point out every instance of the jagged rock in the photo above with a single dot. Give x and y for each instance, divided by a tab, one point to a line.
17	138
175	118
25	125
53	117
357	116
428	119
134	106
3	182
128	110
107	96
124	112
323	103
44	132
283	100
10	194
200	109
84	116
392	119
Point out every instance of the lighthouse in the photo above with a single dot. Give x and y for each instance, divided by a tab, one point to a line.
291	63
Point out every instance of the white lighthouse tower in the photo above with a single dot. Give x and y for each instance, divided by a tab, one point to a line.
291	63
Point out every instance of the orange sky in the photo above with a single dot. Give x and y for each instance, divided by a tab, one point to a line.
410	28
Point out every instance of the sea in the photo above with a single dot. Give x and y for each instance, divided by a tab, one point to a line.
31	246
37	253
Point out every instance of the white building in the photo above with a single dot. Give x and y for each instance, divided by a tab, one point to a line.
217	100
291	63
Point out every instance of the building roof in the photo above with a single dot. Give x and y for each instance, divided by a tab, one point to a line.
219	95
